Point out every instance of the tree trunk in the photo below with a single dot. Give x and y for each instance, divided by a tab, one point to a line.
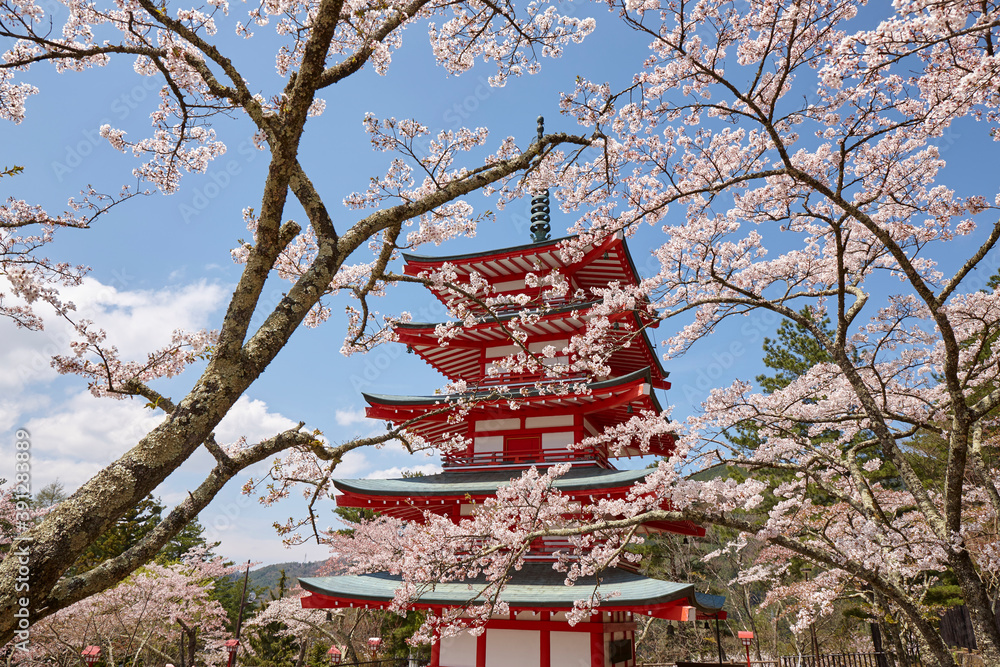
984	622
193	644
303	647
892	629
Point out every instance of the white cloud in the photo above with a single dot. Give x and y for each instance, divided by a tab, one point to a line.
348	417
96	430
250	418
352	465
137	322
141	320
14	406
264	547
396	472
77	438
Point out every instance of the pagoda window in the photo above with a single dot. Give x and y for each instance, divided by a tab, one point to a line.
522	446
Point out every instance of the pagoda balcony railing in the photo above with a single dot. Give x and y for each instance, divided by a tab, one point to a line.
537	302
543	457
547	547
517	380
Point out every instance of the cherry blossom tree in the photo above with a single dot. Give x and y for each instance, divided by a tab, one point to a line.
143	616
339	251
798	147
791	152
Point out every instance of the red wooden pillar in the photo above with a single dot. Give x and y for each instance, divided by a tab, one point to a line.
545	641
436	650
597	645
481	649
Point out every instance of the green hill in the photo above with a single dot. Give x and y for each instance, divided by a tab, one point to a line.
265	578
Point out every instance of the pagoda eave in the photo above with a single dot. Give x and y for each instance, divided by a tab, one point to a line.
466	354
609	260
537	586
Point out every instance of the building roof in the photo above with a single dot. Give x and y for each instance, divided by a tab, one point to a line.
608	403
463	355
608	260
486	483
535	586
409	497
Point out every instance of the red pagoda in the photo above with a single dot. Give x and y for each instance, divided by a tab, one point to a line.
503	442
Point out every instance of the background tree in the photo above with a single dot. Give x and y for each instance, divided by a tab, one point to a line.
150	618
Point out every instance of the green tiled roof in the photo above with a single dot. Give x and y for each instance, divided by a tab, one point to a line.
485	483
442	399
535	585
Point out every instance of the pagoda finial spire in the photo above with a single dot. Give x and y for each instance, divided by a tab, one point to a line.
540	220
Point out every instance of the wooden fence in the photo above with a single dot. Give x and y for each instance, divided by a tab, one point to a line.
835	660
823	660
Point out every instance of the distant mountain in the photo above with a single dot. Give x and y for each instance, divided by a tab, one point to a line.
267	577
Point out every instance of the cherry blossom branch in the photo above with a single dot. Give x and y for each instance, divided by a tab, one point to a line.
357	60
77	587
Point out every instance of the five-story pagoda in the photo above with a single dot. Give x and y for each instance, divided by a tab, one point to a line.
544	428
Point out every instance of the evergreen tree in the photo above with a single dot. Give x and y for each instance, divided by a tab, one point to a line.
131	528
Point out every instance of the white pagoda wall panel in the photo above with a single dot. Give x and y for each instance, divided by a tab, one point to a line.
559	440
512	648
569	649
548	422
459	651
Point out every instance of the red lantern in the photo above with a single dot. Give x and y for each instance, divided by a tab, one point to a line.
335	655
747	639
232	645
91	654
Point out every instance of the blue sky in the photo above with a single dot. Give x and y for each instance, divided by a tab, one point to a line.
163	262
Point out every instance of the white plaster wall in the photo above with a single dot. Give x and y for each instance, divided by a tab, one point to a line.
498	424
570	649
488	443
509	285
549	421
458	651
512	648
541	345
501	351
557	440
